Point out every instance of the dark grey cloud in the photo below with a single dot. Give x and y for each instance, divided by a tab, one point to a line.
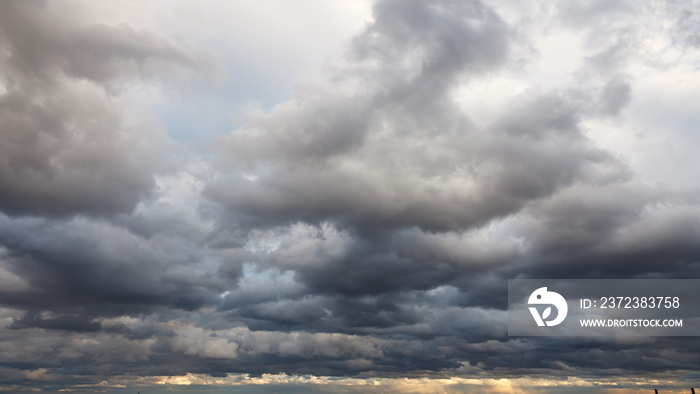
45	41
65	322
68	146
366	227
415	158
94	267
387	190
615	95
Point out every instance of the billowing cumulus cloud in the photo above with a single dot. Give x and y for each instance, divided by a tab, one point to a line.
68	145
362	230
388	147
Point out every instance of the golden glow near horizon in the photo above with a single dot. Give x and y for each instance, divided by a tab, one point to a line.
399	385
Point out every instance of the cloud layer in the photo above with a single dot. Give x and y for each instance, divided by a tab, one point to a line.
364	228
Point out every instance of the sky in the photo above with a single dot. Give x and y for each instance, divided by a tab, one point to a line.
330	196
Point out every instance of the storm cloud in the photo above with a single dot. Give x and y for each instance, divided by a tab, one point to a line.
366	227
69	148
